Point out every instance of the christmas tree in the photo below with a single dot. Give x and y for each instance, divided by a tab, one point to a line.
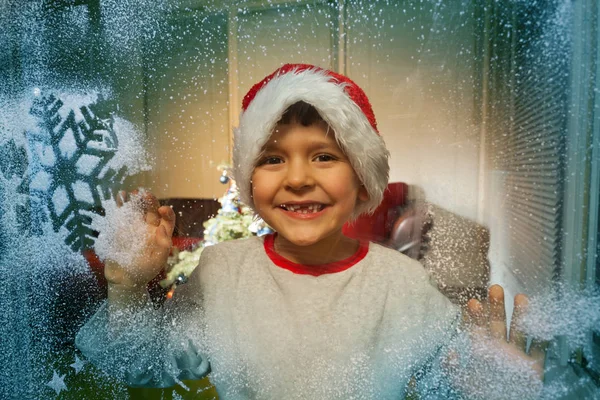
234	220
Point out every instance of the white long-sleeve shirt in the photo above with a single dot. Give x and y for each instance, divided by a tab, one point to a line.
266	329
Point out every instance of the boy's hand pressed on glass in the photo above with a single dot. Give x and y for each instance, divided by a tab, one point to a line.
159	224
487	324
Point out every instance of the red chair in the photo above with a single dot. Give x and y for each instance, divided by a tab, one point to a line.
378	226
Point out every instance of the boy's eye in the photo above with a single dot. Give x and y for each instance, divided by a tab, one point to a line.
325	157
270	160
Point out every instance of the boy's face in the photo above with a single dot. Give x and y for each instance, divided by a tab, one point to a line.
303	185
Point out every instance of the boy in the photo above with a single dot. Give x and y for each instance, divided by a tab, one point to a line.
306	312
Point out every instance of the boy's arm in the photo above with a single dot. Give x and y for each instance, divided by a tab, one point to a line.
144	346
127	337
431	381
143	352
122	297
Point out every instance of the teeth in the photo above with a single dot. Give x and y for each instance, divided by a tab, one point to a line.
312	208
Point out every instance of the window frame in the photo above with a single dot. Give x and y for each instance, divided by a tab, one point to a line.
582	189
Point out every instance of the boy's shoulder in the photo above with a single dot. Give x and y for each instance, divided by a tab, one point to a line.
408	282
231	250
239	244
393	262
221	259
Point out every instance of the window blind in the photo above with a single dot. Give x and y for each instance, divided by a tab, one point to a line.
527	127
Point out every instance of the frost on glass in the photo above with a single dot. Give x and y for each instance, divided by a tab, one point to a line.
65	149
85	85
63	156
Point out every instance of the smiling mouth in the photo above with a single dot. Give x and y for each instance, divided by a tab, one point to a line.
304	208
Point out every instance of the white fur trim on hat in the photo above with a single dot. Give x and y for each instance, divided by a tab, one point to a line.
355	135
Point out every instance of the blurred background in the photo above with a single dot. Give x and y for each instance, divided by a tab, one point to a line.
490	110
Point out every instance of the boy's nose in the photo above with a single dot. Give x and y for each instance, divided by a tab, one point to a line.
298	176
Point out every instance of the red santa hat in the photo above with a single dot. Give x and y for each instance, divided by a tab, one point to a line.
339	101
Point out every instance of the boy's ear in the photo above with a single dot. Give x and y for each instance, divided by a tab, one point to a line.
363	195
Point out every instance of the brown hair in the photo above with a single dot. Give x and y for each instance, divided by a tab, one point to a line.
302	113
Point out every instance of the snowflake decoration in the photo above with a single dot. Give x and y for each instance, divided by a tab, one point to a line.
68	172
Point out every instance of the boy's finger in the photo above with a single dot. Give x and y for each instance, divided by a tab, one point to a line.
120	198
537	351
150	202
497	312
152	218
163	239
476	313
167	219
150	205
517	337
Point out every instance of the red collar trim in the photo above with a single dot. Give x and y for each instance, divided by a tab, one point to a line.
314	270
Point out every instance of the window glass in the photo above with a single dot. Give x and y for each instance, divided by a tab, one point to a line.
489	110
